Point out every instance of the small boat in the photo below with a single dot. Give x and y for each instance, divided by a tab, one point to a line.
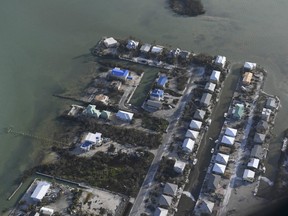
284	144
195	161
212	150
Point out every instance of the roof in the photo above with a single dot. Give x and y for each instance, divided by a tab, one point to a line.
213	181
266	113
215	76
159	93
93	138
91	110
131	44
205	99
192	134
222	158
46	211
126	116
204	206
227	140
262	126
253	163
247	78
249	65
248	175
188	145
101	97
145	48
156	49
179	166
165	201
109	42
231	132
210	86
160	212
238	110
271	103
154	103
259	138
219	168
162	80
170	189
119	73
40	190
220	60
257	151
194	124
199	114
105	114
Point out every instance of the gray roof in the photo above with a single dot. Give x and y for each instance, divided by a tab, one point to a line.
259	138
165	201
199	114
146	47
271	103
262	126
257	151
213	181
205	99
170	189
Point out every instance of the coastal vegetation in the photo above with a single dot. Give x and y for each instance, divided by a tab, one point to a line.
121	173
187	7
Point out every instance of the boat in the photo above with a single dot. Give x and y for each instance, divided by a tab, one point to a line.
284	144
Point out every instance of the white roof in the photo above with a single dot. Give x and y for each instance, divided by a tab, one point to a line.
231	132
215	76
160	212
179	166
248	174
41	190
220	60
188	145
91	137
127	116
192	134
227	140
254	163
222	158
195	124
203	206
249	65
210	86
110	41
156	49
46	211
219	168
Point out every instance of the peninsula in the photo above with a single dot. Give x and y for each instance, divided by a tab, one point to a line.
158	131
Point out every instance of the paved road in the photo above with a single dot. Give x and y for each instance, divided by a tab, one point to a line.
144	190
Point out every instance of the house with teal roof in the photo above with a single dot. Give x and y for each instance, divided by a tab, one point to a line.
92	111
105	114
238	111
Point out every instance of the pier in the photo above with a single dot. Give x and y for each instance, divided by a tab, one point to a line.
10	130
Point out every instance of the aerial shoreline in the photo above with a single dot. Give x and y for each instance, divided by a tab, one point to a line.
162	64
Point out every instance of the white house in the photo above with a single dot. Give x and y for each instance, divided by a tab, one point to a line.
170	189
192	134
179	166
220	61
125	116
91	139
215	76
231	132
157	49
46	211
219	168
253	163
249	66
203	207
266	113
195	125
248	175
210	87
161	212
110	42
227	140
222	158
131	44
188	145
40	191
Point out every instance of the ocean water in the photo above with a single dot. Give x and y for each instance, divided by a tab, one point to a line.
43	48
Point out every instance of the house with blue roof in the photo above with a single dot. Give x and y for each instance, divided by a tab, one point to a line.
157	94
162	80
117	73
